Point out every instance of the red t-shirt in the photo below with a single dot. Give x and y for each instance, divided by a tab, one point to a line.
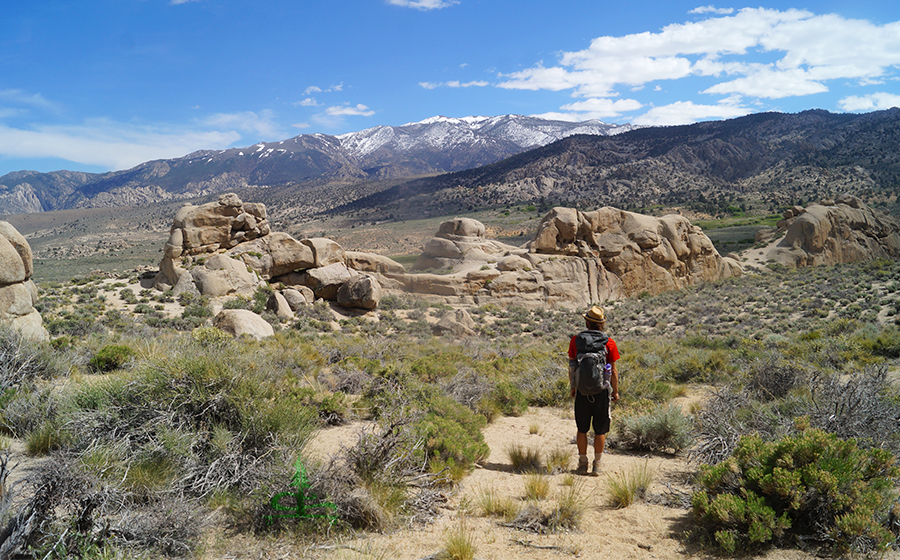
612	351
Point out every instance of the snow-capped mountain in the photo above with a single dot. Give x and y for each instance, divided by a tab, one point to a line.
435	145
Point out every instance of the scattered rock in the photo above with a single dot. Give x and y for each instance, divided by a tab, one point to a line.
361	291
239	322
279	304
296	299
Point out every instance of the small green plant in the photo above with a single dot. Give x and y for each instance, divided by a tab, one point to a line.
459	543
557	460
110	357
626	488
571	504
210	336
537	486
494	505
524	459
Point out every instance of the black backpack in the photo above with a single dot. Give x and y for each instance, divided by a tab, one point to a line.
591	377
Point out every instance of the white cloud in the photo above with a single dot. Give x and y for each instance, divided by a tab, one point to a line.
598	108
873	102
109	144
300	125
423	4
687	112
454	84
712	10
329	89
759	53
308	102
358	110
176	2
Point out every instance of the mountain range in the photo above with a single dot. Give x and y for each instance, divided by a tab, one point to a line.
440	166
764	162
435	145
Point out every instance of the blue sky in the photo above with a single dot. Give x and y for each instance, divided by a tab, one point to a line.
96	85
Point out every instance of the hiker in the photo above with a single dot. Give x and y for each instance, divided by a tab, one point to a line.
592	350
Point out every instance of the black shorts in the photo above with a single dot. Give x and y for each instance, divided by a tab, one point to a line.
597	412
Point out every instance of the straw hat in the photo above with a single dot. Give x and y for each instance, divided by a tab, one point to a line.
595	314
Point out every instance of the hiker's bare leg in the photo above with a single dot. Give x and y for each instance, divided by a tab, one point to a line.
581	442
599	443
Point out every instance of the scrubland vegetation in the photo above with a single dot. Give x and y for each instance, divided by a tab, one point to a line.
143	425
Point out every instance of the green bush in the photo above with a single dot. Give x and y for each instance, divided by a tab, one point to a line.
510	401
452	431
808	485
110	357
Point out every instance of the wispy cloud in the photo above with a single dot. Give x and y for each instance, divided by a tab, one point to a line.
31	100
358	110
712	10
423	4
108	144
263	124
329	89
308	102
453	84
755	53
176	2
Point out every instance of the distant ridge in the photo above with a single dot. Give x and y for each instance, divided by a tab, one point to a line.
772	160
435	145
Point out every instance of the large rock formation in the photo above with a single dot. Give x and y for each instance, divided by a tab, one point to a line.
841	231
575	258
18	293
460	241
226	247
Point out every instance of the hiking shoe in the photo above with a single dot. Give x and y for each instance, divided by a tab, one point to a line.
582	466
595	469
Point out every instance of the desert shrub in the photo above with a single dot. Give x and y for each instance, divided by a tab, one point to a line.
459	544
524	459
627	487
557	459
452	431
22	361
662	428
809	485
508	399
863	405
210	336
537	486
380	480
110	357
493	504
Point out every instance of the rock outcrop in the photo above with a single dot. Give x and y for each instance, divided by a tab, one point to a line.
457	242
18	293
833	232
227	247
574	259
